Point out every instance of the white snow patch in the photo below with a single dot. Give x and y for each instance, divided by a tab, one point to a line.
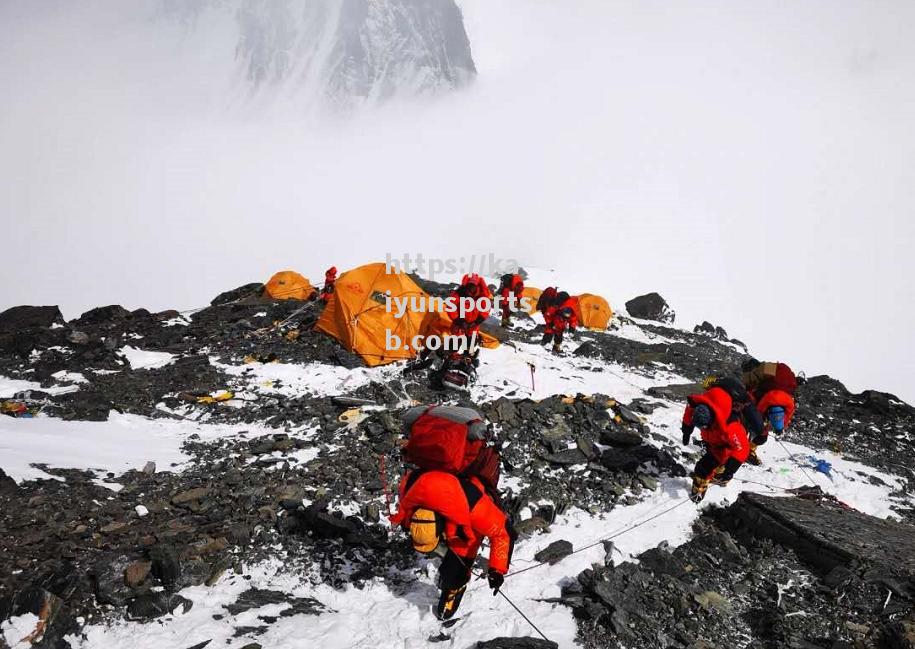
506	371
9	387
16	629
140	359
123	442
69	377
316	379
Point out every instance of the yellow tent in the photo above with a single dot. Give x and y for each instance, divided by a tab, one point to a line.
533	294
288	285
593	311
356	314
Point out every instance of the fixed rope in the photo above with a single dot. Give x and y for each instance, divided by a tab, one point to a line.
526	618
800	466
627	528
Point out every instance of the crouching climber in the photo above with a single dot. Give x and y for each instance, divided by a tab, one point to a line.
449	516
725	439
469	305
559	318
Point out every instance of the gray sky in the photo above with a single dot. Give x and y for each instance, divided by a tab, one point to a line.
751	161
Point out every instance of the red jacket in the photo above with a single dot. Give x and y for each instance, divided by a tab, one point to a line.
515	287
555	322
470	515
776	398
474	316
726	437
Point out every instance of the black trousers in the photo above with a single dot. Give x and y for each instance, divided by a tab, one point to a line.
455	571
708	463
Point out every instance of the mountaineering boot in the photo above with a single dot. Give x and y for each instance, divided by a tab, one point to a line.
448	602
753	458
718	481
700	486
506	322
557	348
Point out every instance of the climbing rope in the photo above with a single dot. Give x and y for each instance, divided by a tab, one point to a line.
801	467
480	575
626	528
521	613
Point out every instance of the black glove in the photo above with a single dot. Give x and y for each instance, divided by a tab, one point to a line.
687	433
496	579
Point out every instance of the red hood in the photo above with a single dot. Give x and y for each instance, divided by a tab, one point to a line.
718	400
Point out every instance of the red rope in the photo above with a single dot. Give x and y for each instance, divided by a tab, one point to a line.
384	484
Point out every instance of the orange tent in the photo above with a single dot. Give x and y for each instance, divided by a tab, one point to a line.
288	285
593	311
533	294
357	314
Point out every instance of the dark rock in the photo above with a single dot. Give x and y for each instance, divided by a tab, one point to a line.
53	623
616	437
78	338
102	314
827	535
531	525
83	405
628	459
7	484
877	402
708	329
248	291
554	552
151	605
650	307
201	645
165	564
567	457
675	392
108	579
257	597
190	496
517	643
626	415
26	317
135	574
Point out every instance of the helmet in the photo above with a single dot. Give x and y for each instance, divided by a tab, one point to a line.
702	416
776	417
425	530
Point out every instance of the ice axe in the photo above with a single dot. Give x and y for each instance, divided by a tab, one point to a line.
531	365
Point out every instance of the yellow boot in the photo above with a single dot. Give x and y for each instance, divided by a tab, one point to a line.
700	486
448	602
753	458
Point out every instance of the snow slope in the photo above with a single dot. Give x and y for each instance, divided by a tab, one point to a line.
387	613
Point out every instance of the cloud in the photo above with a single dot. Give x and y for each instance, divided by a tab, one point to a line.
750	161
